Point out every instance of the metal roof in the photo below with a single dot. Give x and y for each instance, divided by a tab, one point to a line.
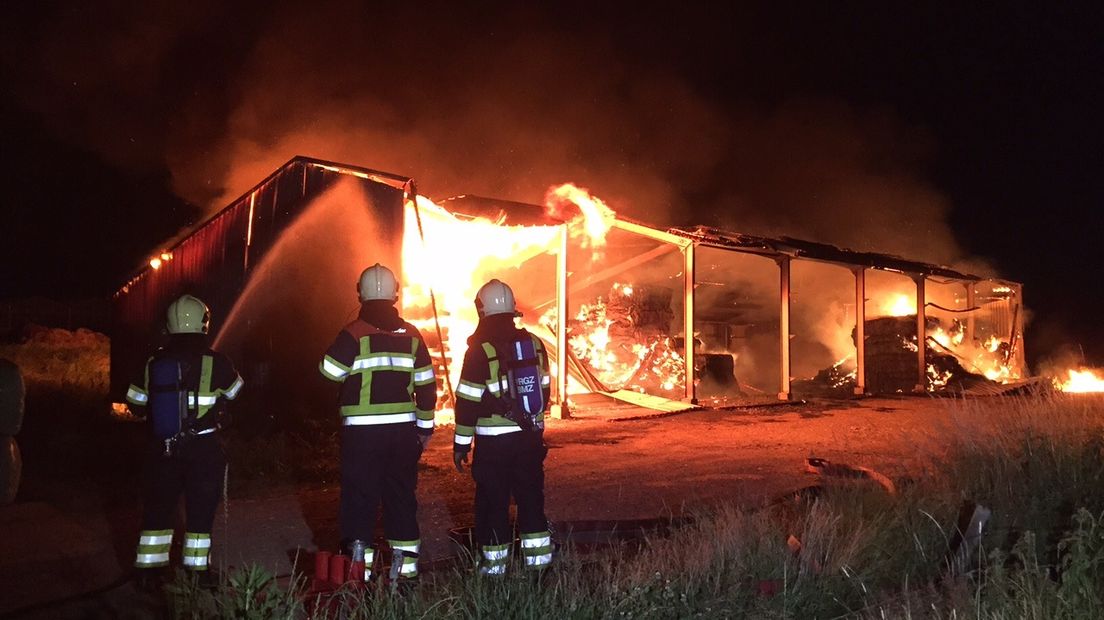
811	250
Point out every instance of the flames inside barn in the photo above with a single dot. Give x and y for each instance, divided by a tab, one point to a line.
663	318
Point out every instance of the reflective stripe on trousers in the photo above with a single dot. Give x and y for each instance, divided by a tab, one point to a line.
153	548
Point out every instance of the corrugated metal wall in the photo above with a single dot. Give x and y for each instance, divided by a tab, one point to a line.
216	261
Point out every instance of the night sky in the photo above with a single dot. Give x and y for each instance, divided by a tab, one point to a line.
979	130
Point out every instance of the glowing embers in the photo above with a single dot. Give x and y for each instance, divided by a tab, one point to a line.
622	340
1081	381
160	259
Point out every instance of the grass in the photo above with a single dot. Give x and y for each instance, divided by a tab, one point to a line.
1036	462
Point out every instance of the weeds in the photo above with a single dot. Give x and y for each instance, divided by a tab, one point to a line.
250	593
1036	463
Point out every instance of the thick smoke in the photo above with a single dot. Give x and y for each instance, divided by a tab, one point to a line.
500	103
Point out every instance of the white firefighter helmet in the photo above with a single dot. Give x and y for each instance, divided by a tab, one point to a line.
188	315
495	297
378	282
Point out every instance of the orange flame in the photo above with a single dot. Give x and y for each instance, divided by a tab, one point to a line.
898	304
454	259
597	217
160	259
1081	381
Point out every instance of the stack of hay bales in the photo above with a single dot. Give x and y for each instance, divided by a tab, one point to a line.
12	392
891	353
891	357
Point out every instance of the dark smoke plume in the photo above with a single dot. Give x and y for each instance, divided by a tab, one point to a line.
495	104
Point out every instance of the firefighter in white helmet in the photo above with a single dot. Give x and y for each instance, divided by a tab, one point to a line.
182	391
387	397
501	402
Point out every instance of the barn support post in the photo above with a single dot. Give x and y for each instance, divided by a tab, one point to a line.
560	408
784	328
688	323
860	331
971	302
921	335
1018	354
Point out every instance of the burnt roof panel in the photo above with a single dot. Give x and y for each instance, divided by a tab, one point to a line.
813	250
503	212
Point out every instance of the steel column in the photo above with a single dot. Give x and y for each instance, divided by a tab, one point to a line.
971	302
921	336
688	322
1019	354
560	409
860	331
784	328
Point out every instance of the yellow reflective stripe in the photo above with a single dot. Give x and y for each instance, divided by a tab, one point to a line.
424	376
496	382
497	430
235	387
384	361
369	409
365	381
137	395
377	418
333	369
497	387
470	391
204	398
151	560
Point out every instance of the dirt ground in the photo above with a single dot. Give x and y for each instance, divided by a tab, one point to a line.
596	469
601	469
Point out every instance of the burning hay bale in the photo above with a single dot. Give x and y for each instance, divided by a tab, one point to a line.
638	308
624	340
891	362
891	358
891	353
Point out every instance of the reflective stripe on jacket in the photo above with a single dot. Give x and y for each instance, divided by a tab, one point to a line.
209	379
382	372
482	378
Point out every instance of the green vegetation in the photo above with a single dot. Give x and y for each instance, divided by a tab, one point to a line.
1037	463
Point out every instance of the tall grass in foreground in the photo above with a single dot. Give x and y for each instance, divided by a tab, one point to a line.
1037	463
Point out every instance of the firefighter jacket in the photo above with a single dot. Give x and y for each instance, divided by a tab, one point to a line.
208	376
384	368
483	379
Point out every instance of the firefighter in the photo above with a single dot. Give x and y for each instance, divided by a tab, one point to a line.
502	398
387	397
183	391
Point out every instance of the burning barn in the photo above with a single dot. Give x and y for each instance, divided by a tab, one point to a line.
623	306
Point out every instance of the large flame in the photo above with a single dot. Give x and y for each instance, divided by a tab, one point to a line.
596	217
1081	381
898	304
452	258
447	258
